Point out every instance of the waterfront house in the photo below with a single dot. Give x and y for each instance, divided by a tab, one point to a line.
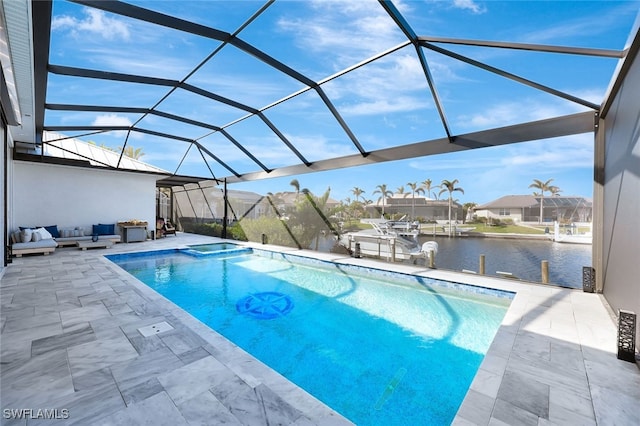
418	207
526	208
287	200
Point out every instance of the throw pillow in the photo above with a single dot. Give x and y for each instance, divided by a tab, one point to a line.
108	229
36	237
44	233
15	237
26	234
53	230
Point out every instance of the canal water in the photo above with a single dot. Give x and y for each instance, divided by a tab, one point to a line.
522	258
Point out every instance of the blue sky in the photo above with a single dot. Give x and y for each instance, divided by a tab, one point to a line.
385	103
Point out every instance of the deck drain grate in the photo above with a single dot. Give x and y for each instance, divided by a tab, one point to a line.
156	328
266	305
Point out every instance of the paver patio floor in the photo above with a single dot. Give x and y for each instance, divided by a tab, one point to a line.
71	341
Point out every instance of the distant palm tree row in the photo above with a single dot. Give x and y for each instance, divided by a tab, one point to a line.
426	187
446	186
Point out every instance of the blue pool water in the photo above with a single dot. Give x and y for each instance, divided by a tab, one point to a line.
379	348
208	248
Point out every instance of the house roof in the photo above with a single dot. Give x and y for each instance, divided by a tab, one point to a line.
510	201
289	198
408	195
246	196
61	146
401	200
522	201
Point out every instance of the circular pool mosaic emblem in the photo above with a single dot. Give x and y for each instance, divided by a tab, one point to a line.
266	305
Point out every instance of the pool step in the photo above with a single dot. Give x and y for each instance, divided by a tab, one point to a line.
227	252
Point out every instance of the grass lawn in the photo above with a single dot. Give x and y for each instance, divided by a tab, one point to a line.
507	229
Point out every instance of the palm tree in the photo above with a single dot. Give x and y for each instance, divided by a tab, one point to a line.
296	185
555	190
543	187
357	192
400	190
450	186
366	202
466	208
384	193
414	189
357	205
427	187
310	217
276	202
346	206
103	146
129	151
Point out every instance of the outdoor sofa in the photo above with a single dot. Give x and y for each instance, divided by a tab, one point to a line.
32	241
45	239
70	236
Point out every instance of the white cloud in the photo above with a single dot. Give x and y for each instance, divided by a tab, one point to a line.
272	152
489	173
338	24
392	84
320	146
595	96
569	152
132	62
395	84
111	120
169	153
95	22
384	106
116	120
469	5
590	24
512	112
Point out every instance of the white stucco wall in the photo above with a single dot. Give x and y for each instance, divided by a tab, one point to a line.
515	214
46	194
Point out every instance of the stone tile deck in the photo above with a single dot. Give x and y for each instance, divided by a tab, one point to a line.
70	341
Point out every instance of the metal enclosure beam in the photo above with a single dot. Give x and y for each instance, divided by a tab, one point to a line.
41	19
413	38
544	129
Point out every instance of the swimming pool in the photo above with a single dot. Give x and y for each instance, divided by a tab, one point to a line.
378	347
